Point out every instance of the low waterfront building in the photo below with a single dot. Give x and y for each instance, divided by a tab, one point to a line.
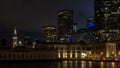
22	53
64	51
67	51
91	51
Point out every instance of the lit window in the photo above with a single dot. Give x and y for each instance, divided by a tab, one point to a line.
91	24
102	9
97	11
106	8
118	7
98	14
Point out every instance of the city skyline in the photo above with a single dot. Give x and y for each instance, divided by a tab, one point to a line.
68	34
32	15
61	39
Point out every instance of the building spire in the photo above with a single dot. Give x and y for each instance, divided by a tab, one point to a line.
15	41
15	31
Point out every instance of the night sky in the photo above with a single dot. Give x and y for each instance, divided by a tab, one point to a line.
31	15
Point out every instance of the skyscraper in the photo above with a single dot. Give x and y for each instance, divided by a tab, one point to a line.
49	33
65	25
107	20
15	41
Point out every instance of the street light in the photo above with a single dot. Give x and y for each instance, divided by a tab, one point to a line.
113	53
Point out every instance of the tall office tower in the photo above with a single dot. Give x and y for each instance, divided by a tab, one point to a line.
90	31
90	23
49	33
75	33
74	27
15	42
65	25
107	20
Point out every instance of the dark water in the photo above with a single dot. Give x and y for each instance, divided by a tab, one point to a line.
64	64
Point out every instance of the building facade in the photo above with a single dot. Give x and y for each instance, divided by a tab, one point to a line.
91	51
65	25
107	20
67	50
63	51
27	54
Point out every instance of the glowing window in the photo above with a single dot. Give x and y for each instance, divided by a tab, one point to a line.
91	25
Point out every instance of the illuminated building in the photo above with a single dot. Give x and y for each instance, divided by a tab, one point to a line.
15	41
67	50
90	23
75	34
49	33
91	32
110	49
74	27
63	51
65	25
107	20
90	51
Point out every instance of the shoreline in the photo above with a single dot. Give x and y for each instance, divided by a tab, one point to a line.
57	60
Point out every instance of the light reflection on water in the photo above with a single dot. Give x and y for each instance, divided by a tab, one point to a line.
88	64
101	65
62	64
83	64
113	64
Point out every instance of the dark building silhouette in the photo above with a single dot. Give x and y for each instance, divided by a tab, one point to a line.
65	24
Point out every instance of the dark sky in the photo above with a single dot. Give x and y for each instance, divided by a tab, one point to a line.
31	15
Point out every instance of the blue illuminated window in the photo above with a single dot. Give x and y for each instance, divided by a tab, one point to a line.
69	39
91	24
